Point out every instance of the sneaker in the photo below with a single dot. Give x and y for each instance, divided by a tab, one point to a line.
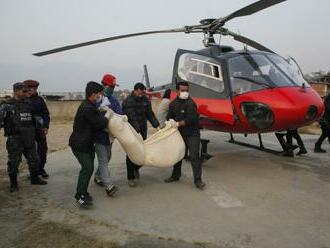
98	182
43	174
200	184
111	190
171	179
83	202
37	181
131	183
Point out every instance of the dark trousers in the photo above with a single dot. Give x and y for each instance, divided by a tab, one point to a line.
294	134
192	143
131	168
16	146
86	161
325	134
41	148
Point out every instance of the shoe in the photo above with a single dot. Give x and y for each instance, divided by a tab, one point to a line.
111	190
88	197
43	174
171	180
288	154
319	150
37	181
98	182
83	202
302	151
200	184
13	183
131	183
137	174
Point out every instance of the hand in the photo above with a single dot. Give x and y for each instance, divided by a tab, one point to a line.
181	123
45	130
108	114
104	108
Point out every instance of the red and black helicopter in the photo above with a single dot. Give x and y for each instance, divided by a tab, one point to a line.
246	91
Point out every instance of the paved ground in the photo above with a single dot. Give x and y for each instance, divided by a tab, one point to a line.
252	198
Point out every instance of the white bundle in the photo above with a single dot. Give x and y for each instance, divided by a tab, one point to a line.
162	149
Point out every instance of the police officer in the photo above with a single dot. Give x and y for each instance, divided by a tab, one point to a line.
138	109
184	111
18	120
42	114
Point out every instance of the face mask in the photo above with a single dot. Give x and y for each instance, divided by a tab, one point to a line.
184	95
99	99
108	91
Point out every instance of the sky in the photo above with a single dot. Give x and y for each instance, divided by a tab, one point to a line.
297	28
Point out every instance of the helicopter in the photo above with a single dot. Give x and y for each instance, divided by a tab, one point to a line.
237	91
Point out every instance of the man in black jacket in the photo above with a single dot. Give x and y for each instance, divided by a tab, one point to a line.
87	122
138	109
42	114
18	119
325	126
184	111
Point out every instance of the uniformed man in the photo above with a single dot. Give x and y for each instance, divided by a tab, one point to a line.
18	120
42	114
184	111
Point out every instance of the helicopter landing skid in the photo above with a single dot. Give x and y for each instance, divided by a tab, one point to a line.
261	146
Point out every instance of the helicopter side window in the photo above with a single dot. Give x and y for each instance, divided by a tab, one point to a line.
201	70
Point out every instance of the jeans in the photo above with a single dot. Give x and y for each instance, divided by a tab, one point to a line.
103	153
86	161
192	143
325	134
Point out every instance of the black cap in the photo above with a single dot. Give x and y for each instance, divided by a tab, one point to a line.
93	87
139	86
20	86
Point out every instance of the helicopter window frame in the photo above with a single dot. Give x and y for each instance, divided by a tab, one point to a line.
193	71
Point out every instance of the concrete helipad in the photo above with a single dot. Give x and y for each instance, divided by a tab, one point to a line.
252	198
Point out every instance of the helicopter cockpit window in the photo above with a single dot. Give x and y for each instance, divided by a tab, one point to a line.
201	70
255	72
290	68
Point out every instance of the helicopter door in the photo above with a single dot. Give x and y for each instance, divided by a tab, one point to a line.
207	85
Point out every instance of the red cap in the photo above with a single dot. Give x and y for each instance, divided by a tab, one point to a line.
31	83
109	80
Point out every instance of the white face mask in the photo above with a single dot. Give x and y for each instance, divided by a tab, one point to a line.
184	95
99	98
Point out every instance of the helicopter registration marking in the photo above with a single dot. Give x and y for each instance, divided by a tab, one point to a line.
222	198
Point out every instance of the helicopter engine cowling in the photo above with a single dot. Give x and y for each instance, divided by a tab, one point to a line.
277	109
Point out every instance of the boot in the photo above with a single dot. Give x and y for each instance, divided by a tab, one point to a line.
37	181
13	183
318	149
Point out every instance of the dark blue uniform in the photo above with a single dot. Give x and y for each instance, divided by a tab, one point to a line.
42	116
18	120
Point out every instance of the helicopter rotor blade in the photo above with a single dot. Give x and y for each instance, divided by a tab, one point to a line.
185	29
248	10
246	40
